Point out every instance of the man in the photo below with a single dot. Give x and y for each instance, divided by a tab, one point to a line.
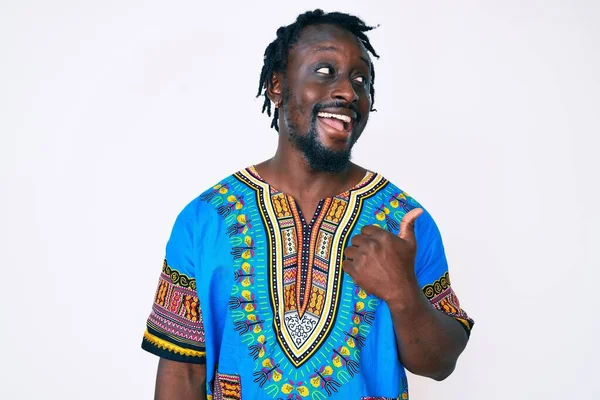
306	276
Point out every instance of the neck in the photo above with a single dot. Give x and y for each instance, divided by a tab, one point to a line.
290	172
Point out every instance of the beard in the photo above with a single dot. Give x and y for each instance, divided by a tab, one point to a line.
317	155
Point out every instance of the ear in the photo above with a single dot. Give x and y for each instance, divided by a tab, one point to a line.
274	89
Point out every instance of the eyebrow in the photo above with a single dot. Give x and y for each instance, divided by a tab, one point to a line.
319	49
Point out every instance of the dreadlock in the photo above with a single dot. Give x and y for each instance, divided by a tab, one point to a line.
276	53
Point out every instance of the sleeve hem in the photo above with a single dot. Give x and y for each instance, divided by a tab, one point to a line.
171	351
466	324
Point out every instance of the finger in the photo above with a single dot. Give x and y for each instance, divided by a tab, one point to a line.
359	240
350	251
358	260
348	266
370	230
407	226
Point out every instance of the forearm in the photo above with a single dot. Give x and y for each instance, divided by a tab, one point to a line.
180	381
429	341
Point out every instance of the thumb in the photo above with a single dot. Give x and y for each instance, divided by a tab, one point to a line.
407	226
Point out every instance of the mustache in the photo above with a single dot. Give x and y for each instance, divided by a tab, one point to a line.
337	104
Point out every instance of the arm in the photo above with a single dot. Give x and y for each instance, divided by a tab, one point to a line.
175	327
429	341
180	381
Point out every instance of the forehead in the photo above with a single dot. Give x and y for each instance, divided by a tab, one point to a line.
323	36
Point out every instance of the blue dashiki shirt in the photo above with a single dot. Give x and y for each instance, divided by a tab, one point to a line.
256	292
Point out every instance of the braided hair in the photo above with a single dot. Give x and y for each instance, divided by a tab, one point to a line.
276	53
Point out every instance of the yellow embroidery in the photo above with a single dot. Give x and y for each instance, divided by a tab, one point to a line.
463	321
163	344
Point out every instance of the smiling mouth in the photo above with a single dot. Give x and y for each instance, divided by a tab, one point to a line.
342	123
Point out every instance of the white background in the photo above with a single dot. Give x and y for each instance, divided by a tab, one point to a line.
114	115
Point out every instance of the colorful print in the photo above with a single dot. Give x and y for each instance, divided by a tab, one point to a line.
304	278
280	310
175	324
227	387
443	298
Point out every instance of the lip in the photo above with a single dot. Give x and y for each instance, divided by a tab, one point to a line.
332	132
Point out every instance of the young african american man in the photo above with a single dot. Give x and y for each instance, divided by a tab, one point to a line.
306	275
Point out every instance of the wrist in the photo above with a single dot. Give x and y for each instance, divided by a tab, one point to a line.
408	296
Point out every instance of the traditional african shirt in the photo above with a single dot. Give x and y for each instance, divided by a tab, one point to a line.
256	291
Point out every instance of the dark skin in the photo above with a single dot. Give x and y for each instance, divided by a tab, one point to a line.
429	342
180	381
327	65
318	75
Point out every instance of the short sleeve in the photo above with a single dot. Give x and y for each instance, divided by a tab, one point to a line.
431	269
174	329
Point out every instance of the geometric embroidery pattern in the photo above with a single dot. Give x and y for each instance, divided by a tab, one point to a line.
305	266
227	387
175	324
260	255
284	266
443	298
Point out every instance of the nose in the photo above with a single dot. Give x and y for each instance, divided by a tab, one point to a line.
344	90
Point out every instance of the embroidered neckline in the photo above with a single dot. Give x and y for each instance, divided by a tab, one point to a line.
369	175
304	261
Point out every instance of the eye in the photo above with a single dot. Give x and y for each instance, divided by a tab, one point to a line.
361	79
325	70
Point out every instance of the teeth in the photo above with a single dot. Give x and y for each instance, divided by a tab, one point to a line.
344	118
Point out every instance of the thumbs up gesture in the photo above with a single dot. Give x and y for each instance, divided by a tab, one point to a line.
382	263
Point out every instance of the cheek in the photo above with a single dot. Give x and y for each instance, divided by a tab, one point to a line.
300	107
364	105
365	113
310	96
361	127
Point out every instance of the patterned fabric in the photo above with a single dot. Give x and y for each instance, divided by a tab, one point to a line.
174	328
273	314
443	298
401	396
227	387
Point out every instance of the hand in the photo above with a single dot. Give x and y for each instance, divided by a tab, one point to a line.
382	263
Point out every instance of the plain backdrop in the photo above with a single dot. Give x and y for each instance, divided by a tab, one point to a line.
115	114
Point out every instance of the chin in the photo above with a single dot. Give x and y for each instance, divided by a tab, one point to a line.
324	153
328	160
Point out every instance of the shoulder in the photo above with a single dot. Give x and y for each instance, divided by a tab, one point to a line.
396	201
398	193
202	208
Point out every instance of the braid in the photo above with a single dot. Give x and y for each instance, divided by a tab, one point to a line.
276	53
